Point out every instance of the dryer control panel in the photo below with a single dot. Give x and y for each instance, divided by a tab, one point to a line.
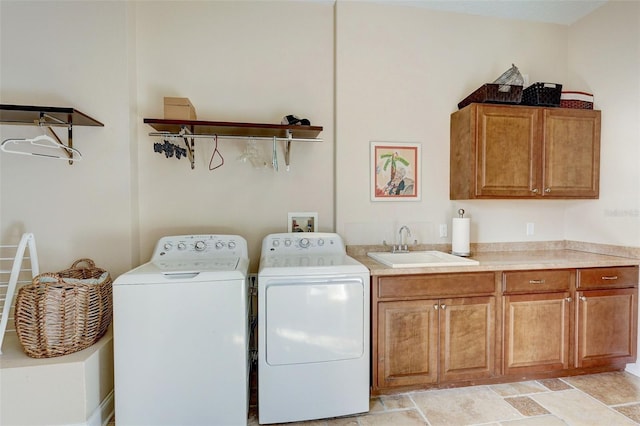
200	246
303	242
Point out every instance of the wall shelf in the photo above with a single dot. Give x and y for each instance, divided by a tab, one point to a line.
224	128
44	116
192	129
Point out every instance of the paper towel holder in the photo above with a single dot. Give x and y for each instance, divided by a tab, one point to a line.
460	235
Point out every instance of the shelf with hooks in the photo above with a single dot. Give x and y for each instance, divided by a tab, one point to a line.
44	116
192	129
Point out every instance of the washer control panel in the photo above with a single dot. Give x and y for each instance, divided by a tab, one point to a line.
303	242
200	246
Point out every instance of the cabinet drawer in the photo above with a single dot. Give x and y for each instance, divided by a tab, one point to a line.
537	281
616	277
436	285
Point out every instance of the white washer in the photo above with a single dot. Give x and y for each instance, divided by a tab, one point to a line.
313	329
181	334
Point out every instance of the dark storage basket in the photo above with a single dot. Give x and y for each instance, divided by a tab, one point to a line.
542	94
64	312
494	93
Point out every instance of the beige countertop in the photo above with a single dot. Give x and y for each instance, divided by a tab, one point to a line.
554	258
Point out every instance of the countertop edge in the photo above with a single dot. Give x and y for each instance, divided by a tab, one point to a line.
518	256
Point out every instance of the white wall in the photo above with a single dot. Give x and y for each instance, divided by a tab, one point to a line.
395	73
400	73
236	61
69	54
604	58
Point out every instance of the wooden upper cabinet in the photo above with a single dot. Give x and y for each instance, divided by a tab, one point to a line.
571	162
504	151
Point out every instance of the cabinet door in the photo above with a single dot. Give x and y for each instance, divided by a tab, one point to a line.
606	326
571	153
407	343
536	332
467	338
508	151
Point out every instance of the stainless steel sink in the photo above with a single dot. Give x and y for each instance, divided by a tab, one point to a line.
420	259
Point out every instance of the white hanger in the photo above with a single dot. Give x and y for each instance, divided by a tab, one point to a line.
41	146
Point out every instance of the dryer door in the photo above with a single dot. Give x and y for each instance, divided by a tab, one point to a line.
314	320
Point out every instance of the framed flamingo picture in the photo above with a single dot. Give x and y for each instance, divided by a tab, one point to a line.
395	171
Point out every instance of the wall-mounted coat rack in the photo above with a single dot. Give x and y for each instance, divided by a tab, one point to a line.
189	130
48	117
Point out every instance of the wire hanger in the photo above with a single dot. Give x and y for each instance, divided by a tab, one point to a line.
41	146
213	155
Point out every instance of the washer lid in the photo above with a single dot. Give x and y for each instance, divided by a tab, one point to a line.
168	271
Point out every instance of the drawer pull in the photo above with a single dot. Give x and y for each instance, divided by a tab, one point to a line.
611	277
536	281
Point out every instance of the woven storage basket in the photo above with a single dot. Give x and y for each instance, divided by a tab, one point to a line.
64	312
542	94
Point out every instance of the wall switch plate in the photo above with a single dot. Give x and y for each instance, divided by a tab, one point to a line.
530	228
443	230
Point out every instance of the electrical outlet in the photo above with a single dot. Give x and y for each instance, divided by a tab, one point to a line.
530	228
443	230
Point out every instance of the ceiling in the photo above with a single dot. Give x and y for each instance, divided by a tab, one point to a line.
564	12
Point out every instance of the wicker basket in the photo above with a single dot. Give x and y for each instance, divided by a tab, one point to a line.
576	100
64	312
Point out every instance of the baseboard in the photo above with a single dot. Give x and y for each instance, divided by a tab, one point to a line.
102	414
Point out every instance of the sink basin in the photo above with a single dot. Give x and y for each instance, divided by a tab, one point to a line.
420	259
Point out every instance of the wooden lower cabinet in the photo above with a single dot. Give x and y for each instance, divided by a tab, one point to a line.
407	343
461	328
607	326
423	342
536	332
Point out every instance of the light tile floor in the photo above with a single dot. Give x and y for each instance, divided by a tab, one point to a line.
597	399
606	399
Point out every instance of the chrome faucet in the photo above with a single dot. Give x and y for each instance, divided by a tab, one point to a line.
403	247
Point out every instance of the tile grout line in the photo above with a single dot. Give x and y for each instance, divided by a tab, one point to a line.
422	414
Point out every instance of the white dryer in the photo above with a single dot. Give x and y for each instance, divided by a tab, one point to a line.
181	334
313	329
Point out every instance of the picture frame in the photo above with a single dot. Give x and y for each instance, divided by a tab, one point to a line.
395	171
302	222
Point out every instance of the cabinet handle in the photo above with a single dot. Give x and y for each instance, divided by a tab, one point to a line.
536	281
443	306
584	299
534	190
547	190
614	277
436	306
568	299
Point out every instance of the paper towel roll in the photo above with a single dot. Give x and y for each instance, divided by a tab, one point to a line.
460	236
